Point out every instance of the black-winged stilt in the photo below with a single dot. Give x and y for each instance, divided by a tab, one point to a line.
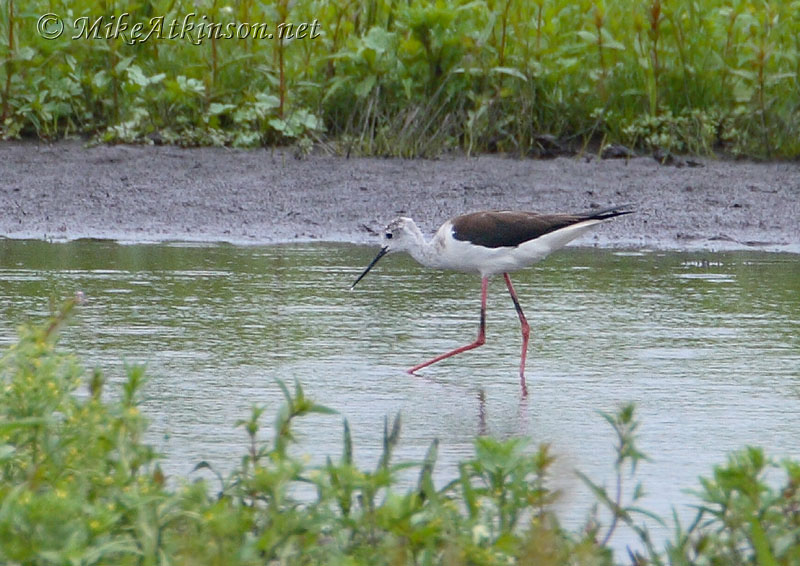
489	243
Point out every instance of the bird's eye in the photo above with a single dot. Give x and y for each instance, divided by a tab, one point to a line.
388	235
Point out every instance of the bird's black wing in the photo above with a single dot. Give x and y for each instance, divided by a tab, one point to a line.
500	229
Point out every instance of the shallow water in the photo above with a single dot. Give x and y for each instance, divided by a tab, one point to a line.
706	344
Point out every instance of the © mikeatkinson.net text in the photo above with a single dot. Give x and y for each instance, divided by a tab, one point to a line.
191	27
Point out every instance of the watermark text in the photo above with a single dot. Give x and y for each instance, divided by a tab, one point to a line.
191	27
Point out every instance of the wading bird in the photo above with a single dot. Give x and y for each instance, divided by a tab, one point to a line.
489	243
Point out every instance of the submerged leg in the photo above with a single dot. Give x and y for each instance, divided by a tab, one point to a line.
526	330
478	341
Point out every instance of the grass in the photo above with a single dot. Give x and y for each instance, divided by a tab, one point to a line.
81	486
413	78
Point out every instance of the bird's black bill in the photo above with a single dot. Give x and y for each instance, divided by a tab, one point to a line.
383	252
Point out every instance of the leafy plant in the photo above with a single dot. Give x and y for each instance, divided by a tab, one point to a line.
79	485
746	517
409	78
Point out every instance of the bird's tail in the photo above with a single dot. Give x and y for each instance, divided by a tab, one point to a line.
609	212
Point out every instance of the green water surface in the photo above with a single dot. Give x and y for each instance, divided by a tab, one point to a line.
707	345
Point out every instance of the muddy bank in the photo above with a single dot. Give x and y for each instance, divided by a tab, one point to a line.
136	193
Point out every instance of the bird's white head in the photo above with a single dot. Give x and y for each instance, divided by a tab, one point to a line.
401	235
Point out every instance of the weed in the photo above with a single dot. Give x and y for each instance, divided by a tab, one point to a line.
80	486
414	78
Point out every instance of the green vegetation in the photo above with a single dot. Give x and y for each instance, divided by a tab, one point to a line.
79	486
411	77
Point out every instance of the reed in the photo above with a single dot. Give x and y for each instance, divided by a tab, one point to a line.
600	69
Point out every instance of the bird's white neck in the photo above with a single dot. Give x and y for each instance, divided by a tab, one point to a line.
420	249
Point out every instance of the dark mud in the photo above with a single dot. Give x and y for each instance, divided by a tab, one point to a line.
138	193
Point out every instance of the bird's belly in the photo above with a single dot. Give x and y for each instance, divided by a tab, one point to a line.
462	256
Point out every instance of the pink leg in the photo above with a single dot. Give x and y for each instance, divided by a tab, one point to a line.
481	332
526	330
